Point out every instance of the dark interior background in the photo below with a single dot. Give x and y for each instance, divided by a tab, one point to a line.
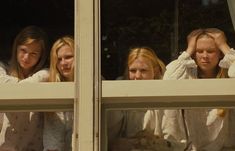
131	23
56	17
124	24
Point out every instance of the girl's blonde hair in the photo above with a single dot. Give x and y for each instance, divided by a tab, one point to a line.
55	75
221	72
149	54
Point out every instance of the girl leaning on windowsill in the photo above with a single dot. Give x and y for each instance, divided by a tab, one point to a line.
22	131
207	56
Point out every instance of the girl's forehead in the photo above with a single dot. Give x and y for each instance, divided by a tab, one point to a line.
34	46
142	61
65	49
206	41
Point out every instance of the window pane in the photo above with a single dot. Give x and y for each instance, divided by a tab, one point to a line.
55	17
38	130
201	128
161	25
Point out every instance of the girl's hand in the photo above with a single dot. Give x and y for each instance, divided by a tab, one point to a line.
192	39
220	39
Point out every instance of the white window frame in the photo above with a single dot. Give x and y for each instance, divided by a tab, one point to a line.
91	100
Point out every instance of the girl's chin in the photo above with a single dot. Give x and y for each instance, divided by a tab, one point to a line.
67	75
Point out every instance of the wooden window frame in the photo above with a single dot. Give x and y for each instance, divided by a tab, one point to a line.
91	98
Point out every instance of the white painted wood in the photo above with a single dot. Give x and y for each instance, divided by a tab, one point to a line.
231	6
37	96
85	75
164	94
75	141
44	91
168	93
97	77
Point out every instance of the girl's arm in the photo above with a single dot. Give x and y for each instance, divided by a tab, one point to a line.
4	78
40	76
182	68
228	62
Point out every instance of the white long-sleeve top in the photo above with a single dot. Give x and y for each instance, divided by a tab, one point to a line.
186	68
57	132
203	128
124	123
21	131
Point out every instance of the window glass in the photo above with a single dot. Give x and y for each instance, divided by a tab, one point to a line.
55	17
34	130
161	25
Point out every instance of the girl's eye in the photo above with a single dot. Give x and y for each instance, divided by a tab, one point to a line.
34	54
210	51
59	59
132	70
143	70
23	50
199	51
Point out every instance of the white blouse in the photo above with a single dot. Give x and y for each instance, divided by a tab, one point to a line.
201	129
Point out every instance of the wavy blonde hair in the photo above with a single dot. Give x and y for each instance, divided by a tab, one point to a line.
55	75
149	54
221	72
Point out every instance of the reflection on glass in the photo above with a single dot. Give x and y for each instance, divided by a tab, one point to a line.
160	25
172	129
189	31
58	126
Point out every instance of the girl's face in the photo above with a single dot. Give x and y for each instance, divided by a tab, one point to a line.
28	55
65	62
141	69
207	55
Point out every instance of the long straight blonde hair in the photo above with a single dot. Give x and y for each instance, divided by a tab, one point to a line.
55	75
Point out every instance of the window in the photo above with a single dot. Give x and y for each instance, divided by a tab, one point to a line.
125	24
89	95
57	19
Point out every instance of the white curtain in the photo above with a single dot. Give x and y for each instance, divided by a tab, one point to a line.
231	6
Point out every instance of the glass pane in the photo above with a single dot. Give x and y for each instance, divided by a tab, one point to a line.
55	17
36	131
171	129
160	25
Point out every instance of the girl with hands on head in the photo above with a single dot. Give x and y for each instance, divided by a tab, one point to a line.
207	56
217	35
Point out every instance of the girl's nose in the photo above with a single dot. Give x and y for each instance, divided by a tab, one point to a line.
138	75
26	56
63	61
205	54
